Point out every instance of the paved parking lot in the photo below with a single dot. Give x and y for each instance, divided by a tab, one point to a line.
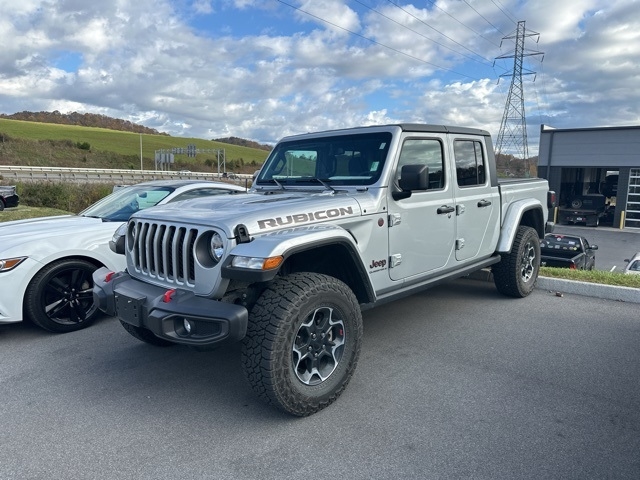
614	245
456	382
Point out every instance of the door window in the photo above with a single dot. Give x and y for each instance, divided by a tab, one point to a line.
470	164
424	152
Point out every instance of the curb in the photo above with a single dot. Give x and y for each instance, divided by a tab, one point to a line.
593	290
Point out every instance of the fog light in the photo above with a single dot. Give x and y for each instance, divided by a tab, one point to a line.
188	326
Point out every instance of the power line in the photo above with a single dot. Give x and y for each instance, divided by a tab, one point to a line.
496	28
429	26
507	13
376	42
448	14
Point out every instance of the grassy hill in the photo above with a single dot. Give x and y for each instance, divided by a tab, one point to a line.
53	145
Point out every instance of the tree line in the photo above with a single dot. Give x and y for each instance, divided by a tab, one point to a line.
84	120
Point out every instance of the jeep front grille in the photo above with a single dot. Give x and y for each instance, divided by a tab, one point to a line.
163	252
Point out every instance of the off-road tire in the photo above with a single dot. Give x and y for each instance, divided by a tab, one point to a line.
59	298
301	322
517	272
145	335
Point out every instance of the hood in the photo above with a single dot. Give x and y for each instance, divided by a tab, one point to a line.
260	212
50	228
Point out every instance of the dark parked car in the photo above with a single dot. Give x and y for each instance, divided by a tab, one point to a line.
567	251
8	197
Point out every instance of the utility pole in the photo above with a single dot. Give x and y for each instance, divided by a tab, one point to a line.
512	137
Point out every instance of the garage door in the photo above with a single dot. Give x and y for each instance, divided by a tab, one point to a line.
632	218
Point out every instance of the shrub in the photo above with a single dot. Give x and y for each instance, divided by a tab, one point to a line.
71	197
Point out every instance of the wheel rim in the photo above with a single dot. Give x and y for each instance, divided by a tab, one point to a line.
318	346
68	296
527	261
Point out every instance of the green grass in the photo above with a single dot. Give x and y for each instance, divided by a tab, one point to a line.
22	211
48	144
593	276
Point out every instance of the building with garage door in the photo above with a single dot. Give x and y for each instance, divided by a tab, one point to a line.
595	172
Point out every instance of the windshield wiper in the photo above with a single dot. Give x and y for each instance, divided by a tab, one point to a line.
324	182
273	180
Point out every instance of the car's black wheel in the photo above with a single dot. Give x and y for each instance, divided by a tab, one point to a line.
59	298
517	272
303	342
145	335
1	204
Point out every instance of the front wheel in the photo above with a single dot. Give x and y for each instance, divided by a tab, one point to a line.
60	296
517	272
303	342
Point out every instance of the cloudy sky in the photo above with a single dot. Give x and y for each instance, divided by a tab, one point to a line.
262	69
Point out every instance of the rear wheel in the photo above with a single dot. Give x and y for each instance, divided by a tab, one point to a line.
60	296
517	272
303	342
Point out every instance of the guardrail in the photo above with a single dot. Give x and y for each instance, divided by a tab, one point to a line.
105	175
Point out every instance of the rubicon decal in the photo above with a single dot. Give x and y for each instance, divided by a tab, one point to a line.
304	217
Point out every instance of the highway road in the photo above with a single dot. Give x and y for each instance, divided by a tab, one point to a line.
456	382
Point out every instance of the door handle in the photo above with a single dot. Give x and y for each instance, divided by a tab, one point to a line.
484	203
445	209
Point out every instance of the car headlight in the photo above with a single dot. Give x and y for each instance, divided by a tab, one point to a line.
216	246
120	232
257	263
7	264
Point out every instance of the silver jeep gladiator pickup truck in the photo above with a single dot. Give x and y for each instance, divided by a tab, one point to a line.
336	222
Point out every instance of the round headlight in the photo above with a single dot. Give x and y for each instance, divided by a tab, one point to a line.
216	246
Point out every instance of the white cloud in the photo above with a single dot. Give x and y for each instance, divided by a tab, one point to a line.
261	69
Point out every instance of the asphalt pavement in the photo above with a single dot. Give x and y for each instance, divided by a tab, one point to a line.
457	382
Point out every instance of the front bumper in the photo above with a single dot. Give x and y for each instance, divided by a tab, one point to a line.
148	306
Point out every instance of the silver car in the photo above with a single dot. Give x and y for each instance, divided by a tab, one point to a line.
633	265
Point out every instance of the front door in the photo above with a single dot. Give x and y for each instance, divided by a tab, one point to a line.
422	227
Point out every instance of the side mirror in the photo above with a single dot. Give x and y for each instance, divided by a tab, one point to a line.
594	247
116	244
412	177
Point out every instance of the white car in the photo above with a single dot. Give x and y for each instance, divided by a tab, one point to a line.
46	264
633	265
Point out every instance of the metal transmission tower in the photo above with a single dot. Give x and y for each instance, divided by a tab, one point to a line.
512	137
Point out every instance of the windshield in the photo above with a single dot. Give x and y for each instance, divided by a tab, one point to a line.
337	160
124	202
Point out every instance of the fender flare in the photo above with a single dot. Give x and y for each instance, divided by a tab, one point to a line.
289	242
513	219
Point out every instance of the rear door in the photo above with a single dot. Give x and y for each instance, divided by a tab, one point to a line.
477	200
